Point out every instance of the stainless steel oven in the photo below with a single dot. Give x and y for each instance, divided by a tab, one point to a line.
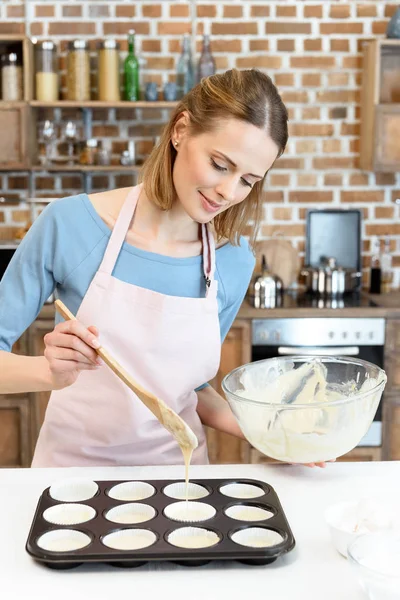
360	337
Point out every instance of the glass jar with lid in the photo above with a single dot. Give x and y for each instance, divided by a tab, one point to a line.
46	78
11	77
78	71
109	79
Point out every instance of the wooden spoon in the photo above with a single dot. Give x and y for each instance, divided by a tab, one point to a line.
167	417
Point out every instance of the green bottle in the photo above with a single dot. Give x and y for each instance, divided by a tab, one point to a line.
131	71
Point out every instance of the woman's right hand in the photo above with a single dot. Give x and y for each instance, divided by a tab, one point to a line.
69	349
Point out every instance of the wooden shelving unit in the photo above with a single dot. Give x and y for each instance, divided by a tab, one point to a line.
86	169
380	106
100	104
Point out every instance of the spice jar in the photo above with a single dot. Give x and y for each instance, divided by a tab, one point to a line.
46	71
78	71
11	77
109	81
88	153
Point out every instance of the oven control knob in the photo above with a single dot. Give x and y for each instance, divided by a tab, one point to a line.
371	335
331	335
344	335
277	336
358	334
264	335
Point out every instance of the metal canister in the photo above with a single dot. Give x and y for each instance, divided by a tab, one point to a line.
267	289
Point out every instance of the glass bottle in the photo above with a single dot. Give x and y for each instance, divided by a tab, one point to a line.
206	66
376	273
78	71
11	77
386	266
46	78
131	71
108	82
185	75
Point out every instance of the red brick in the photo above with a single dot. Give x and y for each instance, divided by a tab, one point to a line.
385	178
306	180
289	163
384	212
341	28
312	62
287	27
151	10
124	11
384	229
260	11
206	10
98	10
286	45
36	28
338	80
286	11
340	45
122	27
234	28
352	62
16	12
70	28
350	129
379	27
284	79
330	162
311	80
340	11
312	11
295	97
311	129
72	11
11	28
151	45
306	146
310	197
313	45
44	10
311	113
339	96
366	10
173	28
333	179
257	45
272	197
279	179
105	131
179	10
282	214
286	230
259	62
332	146
362	196
233	12
222	45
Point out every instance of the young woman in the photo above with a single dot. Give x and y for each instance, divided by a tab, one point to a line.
156	273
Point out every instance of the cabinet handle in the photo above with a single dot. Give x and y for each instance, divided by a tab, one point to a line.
321	351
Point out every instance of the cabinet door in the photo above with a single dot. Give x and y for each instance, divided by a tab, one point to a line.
236	351
36	333
387	131
15	448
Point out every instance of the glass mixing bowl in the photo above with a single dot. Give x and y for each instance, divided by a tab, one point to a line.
376	560
286	412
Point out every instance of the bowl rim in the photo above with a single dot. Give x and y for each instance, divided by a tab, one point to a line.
375	534
321	358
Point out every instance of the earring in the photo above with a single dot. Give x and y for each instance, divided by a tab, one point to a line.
176	142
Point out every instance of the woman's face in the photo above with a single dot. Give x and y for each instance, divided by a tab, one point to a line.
216	170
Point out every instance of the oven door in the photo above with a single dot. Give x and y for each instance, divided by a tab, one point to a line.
372	354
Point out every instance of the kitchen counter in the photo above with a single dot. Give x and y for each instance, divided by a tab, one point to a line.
313	570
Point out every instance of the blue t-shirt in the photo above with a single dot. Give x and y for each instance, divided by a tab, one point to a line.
64	248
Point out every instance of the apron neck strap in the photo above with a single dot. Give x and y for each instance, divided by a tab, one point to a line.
120	230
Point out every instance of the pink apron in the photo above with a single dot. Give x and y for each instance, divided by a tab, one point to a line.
169	344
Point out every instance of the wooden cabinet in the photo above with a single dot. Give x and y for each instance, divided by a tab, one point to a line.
380	106
391	408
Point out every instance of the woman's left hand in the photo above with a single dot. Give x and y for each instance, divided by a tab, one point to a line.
322	465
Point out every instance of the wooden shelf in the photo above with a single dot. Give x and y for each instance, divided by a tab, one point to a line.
86	169
100	104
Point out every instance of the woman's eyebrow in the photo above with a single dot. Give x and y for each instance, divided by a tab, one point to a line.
235	165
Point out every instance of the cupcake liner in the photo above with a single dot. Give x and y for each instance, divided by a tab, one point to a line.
63	540
246	512
129	539
131	490
130	514
193	537
189	512
257	537
69	514
73	490
241	490
178	491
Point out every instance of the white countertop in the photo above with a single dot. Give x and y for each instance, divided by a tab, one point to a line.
312	571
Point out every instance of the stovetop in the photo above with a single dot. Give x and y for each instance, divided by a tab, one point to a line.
306	300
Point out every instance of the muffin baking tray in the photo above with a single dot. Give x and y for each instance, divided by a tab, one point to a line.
129	523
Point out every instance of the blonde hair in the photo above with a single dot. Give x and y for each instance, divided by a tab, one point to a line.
249	96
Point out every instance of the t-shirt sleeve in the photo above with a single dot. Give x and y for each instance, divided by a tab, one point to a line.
29	279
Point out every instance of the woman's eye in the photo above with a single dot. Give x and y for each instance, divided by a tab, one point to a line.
216	166
247	183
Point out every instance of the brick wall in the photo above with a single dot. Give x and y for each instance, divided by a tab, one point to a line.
310	48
